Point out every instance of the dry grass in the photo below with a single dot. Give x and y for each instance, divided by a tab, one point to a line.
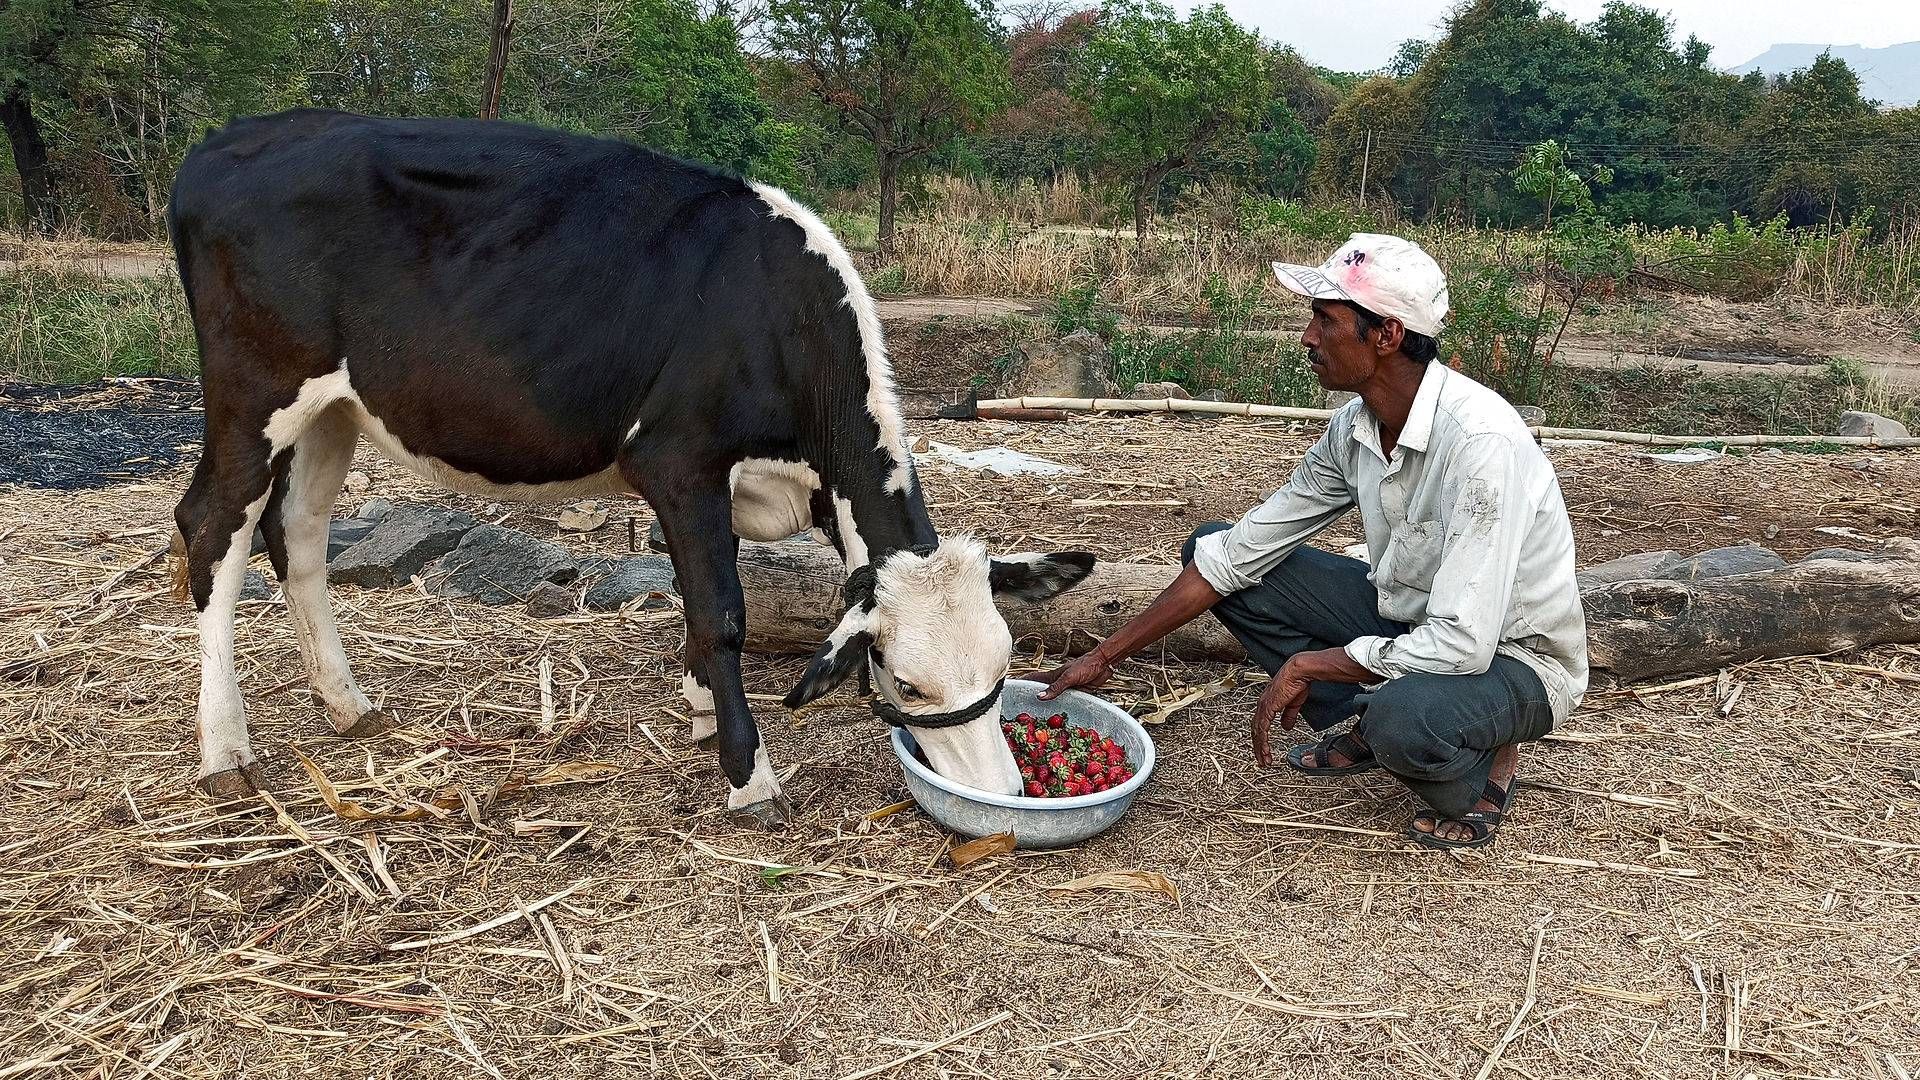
1711	879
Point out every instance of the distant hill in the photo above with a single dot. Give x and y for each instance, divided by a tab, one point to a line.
1890	76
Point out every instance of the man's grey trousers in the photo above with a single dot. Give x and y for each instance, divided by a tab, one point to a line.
1435	733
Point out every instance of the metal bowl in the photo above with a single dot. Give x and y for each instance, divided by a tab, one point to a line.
1034	823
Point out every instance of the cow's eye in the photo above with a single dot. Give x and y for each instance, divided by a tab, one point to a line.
908	692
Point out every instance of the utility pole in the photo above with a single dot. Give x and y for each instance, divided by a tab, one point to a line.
1366	159
497	60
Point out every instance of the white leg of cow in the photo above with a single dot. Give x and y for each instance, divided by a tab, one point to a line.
699	706
227	761
320	461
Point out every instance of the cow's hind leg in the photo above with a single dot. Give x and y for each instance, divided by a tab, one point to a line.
696	514
216	519
296	531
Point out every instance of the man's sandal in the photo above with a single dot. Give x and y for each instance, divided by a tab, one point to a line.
1481	824
1359	756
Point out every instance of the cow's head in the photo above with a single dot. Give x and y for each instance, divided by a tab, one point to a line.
937	645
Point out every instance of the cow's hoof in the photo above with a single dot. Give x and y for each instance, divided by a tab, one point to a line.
233	786
767	814
377	722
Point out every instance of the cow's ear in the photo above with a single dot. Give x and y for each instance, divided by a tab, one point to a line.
1039	577
844	650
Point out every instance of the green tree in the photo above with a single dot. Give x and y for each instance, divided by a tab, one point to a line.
907	75
1163	90
1792	153
1375	130
692	89
183	62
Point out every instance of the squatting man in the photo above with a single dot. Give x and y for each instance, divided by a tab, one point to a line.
1465	636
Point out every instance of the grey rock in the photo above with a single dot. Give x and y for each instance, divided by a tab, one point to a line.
1647	564
497	565
373	509
631	578
1339	398
1531	415
343	533
594	566
550	601
400	545
1725	562
1866	423
1847	555
255	586
1075	366
1211	395
1156	391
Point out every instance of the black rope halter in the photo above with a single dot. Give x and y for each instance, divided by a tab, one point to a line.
888	711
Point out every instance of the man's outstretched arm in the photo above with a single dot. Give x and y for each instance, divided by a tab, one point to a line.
1177	605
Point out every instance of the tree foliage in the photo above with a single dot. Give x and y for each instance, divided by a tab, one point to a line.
1163	90
904	75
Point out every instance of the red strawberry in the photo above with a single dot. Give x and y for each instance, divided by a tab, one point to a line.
1035	789
1056	721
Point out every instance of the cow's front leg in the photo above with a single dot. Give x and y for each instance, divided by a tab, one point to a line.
699	531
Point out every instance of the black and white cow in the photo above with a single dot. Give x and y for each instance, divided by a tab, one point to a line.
525	314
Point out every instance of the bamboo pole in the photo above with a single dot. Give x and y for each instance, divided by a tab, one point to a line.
1241	408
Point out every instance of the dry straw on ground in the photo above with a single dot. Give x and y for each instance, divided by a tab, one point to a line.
1715	878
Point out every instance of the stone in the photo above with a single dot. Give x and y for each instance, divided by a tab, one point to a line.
549	601
373	509
1075	366
497	565
401	544
1647	564
1848	555
1873	424
1725	562
650	576
1531	415
583	517
1157	391
255	586
357	482
343	533
1337	399
1211	395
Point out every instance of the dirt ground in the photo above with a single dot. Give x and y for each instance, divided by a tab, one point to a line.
1710	878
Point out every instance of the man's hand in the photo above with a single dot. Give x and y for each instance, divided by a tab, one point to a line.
1179	604
1287	693
1086	673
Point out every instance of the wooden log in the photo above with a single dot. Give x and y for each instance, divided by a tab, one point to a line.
793	601
1635	629
1651	629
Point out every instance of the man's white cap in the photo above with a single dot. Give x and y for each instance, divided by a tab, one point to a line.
1387	275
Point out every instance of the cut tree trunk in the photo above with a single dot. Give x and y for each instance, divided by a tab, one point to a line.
889	169
30	159
1635	629
497	59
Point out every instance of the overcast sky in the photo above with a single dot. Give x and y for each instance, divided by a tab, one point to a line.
1361	35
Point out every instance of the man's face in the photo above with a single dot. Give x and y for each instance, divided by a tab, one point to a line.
1337	354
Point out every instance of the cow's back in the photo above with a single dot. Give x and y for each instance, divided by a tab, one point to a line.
508	299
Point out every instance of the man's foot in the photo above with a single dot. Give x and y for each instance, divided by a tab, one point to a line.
1476	827
1338	755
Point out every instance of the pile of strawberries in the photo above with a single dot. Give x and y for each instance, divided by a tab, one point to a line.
1057	761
